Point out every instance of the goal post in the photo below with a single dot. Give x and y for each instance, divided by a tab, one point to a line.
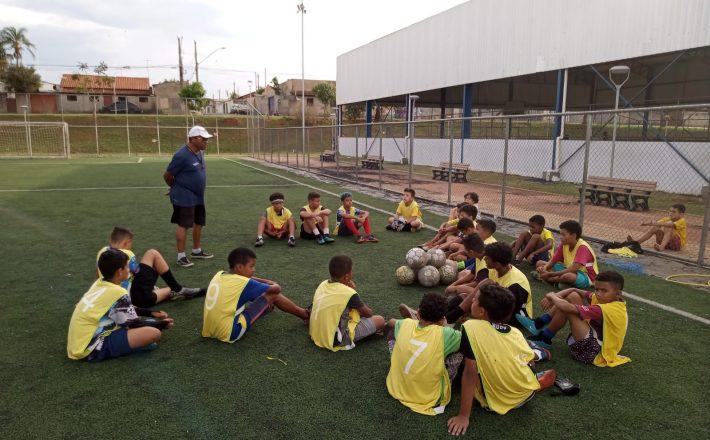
34	139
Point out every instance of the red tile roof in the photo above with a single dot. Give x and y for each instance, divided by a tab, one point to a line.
98	83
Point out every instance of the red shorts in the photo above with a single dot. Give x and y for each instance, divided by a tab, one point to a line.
272	231
674	244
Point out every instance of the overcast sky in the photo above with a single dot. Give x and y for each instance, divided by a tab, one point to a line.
258	35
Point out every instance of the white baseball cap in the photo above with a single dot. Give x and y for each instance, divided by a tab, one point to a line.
200	131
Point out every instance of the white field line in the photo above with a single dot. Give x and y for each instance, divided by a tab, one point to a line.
626	294
121	188
140	160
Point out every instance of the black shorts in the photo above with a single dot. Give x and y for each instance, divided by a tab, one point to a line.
307	235
143	286
189	216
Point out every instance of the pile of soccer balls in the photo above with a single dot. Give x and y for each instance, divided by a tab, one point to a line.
428	267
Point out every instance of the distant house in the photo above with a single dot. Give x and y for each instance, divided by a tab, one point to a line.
81	92
287	100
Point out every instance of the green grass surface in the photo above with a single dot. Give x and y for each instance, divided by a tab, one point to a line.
191	387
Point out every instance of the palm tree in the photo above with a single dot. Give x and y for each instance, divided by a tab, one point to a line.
16	41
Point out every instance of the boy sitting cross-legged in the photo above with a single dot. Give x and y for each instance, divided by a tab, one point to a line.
276	222
485	228
574	261
143	276
497	360
422	351
105	323
236	299
450	229
597	321
315	219
338	317
408	216
535	244
468	279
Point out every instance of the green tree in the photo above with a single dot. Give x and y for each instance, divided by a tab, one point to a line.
16	41
21	79
259	90
326	94
195	94
275	85
354	112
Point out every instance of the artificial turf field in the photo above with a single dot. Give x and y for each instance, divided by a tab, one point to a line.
191	387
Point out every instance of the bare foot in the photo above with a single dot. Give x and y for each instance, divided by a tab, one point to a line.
629	238
657	247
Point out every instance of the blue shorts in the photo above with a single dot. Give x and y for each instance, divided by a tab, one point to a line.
258	308
115	345
542	256
582	281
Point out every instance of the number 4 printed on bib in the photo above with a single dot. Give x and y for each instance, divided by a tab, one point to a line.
90	299
422	346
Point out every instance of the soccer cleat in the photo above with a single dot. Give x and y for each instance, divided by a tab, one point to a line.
408	312
184	262
371	239
259	242
188	293
546	379
541	354
528	324
328	239
360	239
537	340
291	241
202	254
320	239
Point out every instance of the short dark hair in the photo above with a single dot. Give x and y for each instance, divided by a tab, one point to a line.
459	205
344	195
680	207
110	261
612	277
313	195
499	252
487	224
240	256
573	227
498	301
538	220
464	224
276	196
119	234
474	243
433	307
339	266
410	191
473	196
469	209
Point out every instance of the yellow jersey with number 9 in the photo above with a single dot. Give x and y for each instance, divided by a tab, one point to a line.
221	306
87	314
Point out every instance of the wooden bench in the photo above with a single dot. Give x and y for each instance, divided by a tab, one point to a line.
327	156
619	193
373	162
458	172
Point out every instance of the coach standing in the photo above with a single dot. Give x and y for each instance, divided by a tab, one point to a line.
187	179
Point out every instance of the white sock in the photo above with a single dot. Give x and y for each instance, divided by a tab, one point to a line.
326	231
197	251
181	255
259	237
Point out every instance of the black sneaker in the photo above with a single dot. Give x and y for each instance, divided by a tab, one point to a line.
202	254
184	262
292	242
259	242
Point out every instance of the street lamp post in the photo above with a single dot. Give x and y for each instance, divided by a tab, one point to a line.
412	102
28	132
616	73
115	106
302	10
197	64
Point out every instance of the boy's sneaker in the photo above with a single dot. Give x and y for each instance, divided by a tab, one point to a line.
202	254
320	239
546	379
534	274
188	293
541	354
259	242
184	262
292	241
537	340
389	227
371	239
408	312
360	239
528	324
328	239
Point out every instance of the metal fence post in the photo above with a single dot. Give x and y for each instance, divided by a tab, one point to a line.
357	153
451	159
308	149
706	222
411	154
128	130
504	184
157	122
278	144
585	170
379	179
216	131
96	131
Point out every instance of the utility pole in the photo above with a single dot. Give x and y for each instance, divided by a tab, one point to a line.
182	82
197	72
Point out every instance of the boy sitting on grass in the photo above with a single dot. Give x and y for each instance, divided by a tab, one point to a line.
450	228
408	216
276	222
470	198
574	262
315	220
143	276
535	244
597	320
236	299
485	228
468	279
425	357
670	232
338	317
350	219
105	323
497	360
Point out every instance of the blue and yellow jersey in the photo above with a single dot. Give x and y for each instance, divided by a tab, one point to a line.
133	265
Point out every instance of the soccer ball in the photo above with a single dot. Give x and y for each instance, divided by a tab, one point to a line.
447	274
453	265
428	276
416	258
437	257
405	275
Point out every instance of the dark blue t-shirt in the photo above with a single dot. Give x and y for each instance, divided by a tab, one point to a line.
190	178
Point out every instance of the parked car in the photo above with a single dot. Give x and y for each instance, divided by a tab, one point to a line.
120	107
239	108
